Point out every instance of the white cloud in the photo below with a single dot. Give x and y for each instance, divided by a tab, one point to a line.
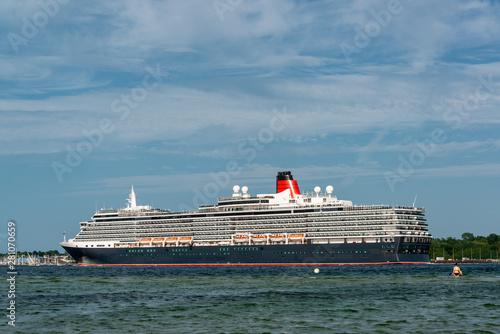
263	176
327	105
352	120
461	171
230	74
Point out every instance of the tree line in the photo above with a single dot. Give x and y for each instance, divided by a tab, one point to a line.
470	246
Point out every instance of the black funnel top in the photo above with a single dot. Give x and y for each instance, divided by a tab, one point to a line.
284	176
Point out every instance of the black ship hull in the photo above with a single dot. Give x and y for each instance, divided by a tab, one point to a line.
255	254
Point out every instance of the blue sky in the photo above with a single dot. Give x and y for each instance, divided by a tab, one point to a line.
384	100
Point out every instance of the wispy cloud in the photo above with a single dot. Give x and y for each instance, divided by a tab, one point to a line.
262	176
352	121
288	54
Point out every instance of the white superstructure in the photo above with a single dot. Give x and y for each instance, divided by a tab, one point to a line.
284	217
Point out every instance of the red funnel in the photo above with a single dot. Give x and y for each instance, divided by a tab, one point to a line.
284	181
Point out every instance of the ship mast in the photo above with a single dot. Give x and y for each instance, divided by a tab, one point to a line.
132	199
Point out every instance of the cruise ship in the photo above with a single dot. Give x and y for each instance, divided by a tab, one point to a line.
283	228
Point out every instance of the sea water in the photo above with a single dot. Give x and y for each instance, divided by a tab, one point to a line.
338	299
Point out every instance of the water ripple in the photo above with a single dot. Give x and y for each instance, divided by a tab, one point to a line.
374	299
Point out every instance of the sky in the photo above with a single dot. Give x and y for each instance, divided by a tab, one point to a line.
390	102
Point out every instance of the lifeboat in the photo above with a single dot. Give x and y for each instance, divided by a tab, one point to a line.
185	240
296	236
142	241
240	238
259	238
277	237
158	240
171	240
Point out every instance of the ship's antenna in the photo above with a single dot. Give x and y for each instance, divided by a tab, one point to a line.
415	200
132	198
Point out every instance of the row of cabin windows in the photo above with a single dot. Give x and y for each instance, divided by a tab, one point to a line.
323	252
174	254
181	250
415	246
139	252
